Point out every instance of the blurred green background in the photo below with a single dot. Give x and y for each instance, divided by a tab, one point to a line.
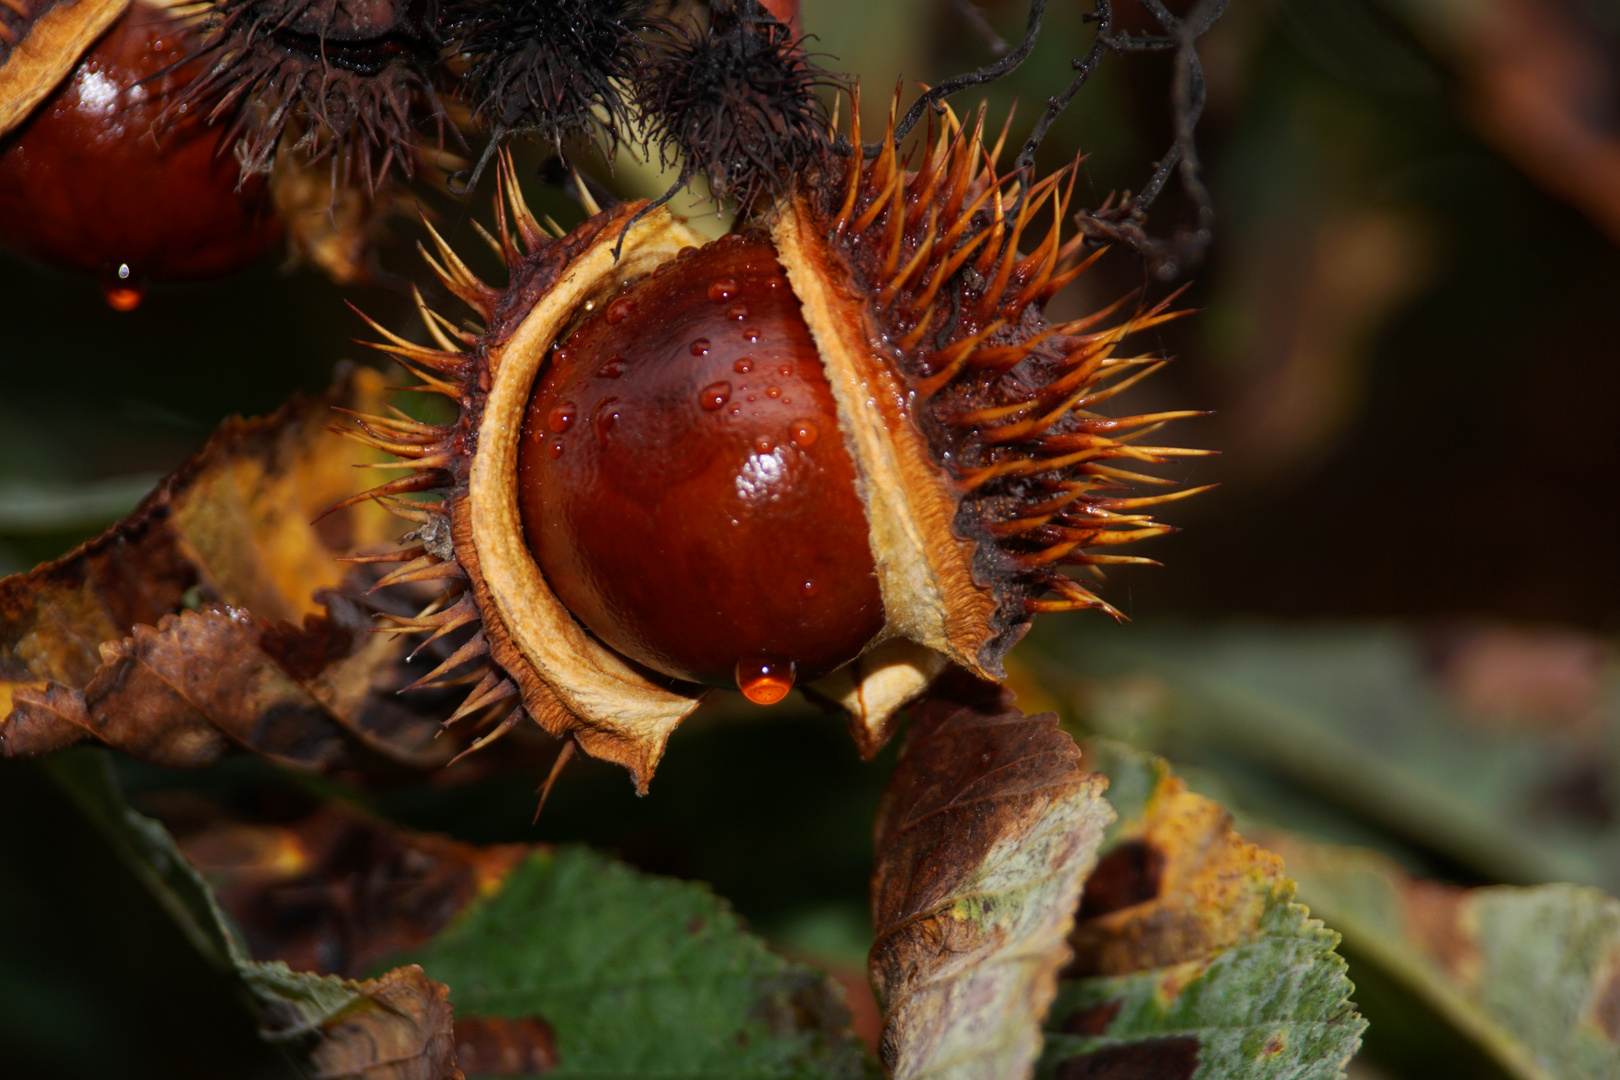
1392	624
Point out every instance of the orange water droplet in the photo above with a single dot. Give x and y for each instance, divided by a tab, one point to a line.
122	287
612	369
809	588
620	309
804	434
700	347
722	289
773	391
555	449
763	445
785	370
765	680
561	417
714	395
737	311
743	366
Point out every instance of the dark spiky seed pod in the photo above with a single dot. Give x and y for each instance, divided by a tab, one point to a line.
736	100
352	80
549	69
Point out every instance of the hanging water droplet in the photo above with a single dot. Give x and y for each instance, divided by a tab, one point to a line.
809	588
700	347
612	369
804	434
765	680
743	366
555	449
714	395
773	391
620	309
737	311
763	445
722	289
122	287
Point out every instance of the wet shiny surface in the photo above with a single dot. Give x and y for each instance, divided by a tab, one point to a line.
697	510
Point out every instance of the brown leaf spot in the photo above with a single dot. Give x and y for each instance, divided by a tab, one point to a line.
1092	1020
498	1046
1503	676
1130	874
1274	1045
337	891
1605	1013
1436	922
1172	1058
1211	887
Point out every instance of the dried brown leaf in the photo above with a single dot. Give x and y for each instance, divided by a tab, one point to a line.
986	830
398	1028
217	615
336	891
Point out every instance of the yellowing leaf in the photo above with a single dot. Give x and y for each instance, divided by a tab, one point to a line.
1191	958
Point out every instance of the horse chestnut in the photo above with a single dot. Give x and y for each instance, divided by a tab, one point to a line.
844	440
699	387
100	178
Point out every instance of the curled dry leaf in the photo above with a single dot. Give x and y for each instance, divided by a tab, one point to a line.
985	832
218	614
1191	958
397	1028
1532	975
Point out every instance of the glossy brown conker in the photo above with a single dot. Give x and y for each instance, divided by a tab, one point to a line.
684	485
104	174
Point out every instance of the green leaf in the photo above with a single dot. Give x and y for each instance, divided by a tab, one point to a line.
1492	745
1530	974
640	977
1192	959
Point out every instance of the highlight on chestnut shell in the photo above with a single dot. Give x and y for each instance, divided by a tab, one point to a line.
946	438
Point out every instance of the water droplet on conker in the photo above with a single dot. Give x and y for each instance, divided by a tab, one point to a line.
765	680
722	289
714	395
561	417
